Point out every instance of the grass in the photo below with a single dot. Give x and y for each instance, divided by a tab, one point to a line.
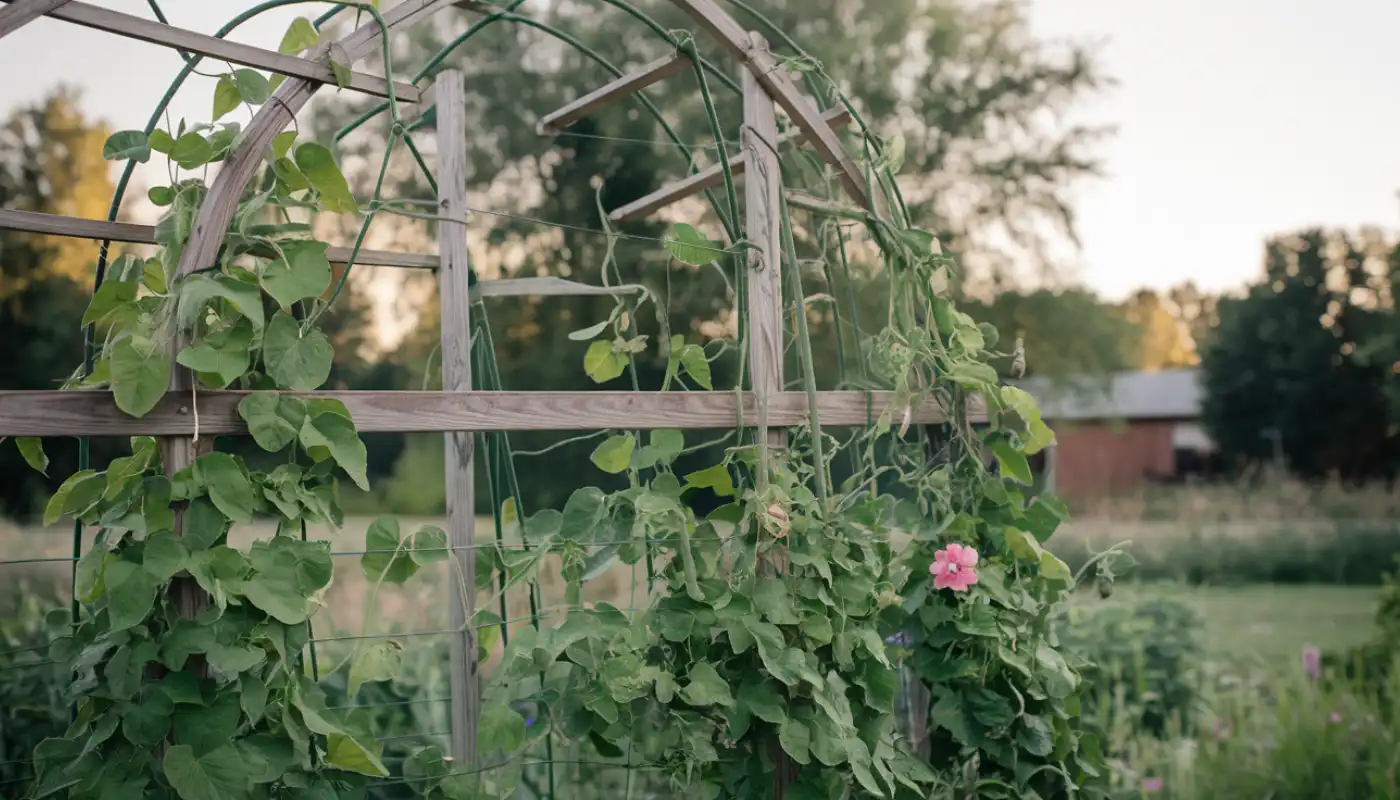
1271	623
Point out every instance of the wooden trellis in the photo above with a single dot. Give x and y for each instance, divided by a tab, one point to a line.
458	411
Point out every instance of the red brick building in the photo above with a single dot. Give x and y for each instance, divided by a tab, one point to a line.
1122	432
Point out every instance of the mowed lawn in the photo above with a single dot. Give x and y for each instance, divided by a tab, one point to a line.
1270	622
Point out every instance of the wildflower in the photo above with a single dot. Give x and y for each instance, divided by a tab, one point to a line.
1152	785
1336	718
952	568
900	639
1312	662
777	520
529	722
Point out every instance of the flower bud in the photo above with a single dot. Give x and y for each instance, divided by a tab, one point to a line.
777	520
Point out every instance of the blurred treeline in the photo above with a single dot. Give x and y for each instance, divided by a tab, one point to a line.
991	153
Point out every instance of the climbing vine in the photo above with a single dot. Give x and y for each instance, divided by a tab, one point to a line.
773	639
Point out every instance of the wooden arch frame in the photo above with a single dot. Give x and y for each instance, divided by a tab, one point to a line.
458	411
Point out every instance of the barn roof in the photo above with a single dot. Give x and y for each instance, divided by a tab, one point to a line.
1170	394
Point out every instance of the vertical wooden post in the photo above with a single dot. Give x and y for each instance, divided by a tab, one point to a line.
762	224
454	297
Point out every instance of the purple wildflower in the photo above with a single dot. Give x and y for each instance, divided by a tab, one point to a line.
902	639
1153	785
529	722
1312	662
1336	717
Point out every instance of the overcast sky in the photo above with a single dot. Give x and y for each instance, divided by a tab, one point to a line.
1237	118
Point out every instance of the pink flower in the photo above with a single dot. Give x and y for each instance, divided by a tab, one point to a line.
1153	785
1336	717
1312	662
952	568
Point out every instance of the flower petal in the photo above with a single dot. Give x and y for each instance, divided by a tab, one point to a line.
968	557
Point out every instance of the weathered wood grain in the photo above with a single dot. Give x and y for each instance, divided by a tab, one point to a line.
147	30
776	82
92	413
22	12
706	178
454	291
625	86
761	224
56	225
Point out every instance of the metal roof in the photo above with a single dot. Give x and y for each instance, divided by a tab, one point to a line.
1170	394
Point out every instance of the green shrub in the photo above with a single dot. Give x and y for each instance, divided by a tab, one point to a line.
1146	662
33	701
1370	664
1356	552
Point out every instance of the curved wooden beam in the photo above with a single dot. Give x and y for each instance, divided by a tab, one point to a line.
216	212
757	59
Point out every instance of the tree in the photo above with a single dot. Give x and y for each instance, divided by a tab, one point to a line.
50	161
1165	341
1067	333
1284	368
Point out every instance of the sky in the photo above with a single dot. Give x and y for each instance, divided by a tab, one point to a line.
1236	119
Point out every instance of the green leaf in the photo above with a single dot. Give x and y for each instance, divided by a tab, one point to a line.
274	420
582	512
164	556
139	380
584	334
342	73
226	97
302	272
198	290
337	434
287	576
282	142
221	357
764	701
301	35
229	486
32	449
267	756
796	741
147	722
109	297
667	444
1035	736
160	195
1013	464
296	359
252	696
602	362
191	151
706	687
204	525
500	730
287	172
125	145
378	662
162	142
696	365
77	494
217	775
130	593
206	729
687	246
319	167
387	556
252	86
429	546
716	478
347	753
775	601
614	454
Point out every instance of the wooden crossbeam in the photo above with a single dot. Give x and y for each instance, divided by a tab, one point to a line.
624	86
774	79
93	413
22	12
147	30
101	229
545	287
709	177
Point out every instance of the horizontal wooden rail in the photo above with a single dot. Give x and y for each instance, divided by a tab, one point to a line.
624	86
93	413
147	30
707	178
101	229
